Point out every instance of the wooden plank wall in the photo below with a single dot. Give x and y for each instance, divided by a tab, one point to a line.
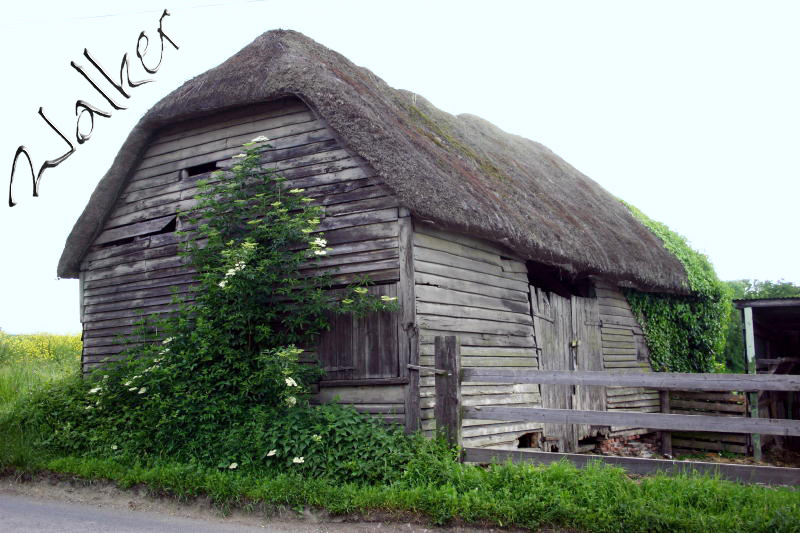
468	288
123	281
709	404
624	349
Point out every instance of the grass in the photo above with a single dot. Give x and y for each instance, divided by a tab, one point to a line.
431	487
29	361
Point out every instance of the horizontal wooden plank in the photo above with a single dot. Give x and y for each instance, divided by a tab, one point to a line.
466	240
708	406
446	245
472	325
455	272
763	426
480	339
743	473
439	295
378	394
653	380
443	282
476	361
678	442
462	311
496	351
133	230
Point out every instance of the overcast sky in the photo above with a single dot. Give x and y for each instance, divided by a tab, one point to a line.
688	110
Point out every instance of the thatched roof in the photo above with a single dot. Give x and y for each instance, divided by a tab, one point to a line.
461	172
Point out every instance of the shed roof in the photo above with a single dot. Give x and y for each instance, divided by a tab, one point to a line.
460	172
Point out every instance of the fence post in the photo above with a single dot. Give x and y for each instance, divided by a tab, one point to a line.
666	436
752	397
448	387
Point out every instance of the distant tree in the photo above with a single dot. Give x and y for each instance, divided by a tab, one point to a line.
750	289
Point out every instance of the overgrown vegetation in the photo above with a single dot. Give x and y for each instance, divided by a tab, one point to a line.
684	333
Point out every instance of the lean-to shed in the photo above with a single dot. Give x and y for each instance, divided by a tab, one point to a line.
478	232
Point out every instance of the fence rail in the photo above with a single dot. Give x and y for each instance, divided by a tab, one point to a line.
654	380
450	411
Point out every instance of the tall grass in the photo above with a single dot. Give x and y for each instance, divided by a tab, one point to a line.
29	361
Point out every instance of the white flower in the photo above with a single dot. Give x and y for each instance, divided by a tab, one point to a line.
94	390
89	407
133	389
298	460
105	377
167	340
320	252
114	447
233	466
239	156
291	382
260	139
297	191
360	290
291	401
319	242
271	453
388	298
142	390
222	284
316	438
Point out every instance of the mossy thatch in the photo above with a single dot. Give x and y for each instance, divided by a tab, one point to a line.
460	172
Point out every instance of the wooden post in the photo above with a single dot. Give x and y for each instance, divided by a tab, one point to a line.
752	397
666	436
448	387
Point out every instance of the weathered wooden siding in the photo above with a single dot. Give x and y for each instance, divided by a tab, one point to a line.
468	288
624	349
132	268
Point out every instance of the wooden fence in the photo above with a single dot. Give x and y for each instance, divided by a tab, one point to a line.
449	411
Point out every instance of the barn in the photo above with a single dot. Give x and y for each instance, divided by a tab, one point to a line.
479	233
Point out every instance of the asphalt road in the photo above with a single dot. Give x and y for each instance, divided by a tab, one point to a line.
46	505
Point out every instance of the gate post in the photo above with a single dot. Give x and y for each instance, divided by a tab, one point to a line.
448	387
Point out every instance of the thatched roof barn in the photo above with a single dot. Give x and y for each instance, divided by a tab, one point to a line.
473	228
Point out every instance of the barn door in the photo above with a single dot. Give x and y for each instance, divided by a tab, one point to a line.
552	322
568	333
362	348
587	353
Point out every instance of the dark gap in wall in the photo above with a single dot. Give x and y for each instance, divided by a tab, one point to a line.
169	227
553	279
529	440
201	169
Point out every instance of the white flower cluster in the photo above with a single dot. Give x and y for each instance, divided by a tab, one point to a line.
319	246
238	267
290	382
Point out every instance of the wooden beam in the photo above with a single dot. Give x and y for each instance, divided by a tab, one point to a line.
750	354
766	426
742	473
448	388
652	380
666	436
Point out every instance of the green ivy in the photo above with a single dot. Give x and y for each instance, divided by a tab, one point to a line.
685	333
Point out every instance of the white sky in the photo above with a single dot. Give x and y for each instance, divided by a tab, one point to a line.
688	110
